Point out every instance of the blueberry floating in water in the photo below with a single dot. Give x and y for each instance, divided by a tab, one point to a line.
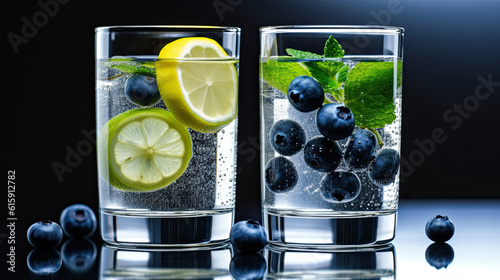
287	137
280	175
360	149
335	121
340	186
305	94
322	154
142	90
385	167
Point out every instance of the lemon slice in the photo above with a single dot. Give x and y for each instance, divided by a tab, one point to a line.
198	83
143	150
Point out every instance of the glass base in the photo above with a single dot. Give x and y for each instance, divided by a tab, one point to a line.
356	230
181	229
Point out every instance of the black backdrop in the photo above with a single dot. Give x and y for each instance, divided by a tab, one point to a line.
451	86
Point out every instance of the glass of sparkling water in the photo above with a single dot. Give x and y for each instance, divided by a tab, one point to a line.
166	113
330	109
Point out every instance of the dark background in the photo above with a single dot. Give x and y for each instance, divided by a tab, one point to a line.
451	83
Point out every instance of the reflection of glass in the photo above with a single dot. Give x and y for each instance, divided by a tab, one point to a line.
365	263
330	147
210	262
166	105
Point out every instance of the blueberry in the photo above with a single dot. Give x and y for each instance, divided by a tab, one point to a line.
360	149
78	220
248	266
439	255
45	234
142	90
280	175
335	121
439	229
44	261
78	254
322	154
385	167
248	236
305	94
340	186
287	137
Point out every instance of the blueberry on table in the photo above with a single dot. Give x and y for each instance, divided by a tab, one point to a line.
280	175
335	121
385	167
287	137
439	229
45	234
248	236
142	90
78	220
340	186
305	94
360	149
322	154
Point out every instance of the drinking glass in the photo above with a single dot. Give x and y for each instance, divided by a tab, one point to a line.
330	114
166	113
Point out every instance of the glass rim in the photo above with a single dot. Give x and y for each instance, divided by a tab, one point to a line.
346	29
166	28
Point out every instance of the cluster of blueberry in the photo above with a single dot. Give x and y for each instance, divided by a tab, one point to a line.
77	221
334	121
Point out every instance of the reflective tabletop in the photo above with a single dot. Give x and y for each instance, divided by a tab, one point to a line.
472	253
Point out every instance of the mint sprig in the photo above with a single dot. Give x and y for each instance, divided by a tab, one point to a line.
131	66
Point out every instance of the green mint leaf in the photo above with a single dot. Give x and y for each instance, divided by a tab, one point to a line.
279	74
342	75
323	71
369	93
333	48
133	67
302	54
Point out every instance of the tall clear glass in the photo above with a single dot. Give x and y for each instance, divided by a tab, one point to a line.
330	109
166	106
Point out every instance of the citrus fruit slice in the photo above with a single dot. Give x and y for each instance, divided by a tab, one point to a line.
198	83
143	150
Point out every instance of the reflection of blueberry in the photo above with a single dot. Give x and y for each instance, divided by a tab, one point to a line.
78	220
439	255
385	167
335	121
322	154
305	94
142	90
280	175
439	229
44	261
45	234
360	149
78	254
340	186
248	236
247	266
287	137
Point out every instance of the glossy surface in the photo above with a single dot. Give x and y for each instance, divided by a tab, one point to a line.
472	253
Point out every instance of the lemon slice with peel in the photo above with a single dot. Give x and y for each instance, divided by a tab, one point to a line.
198	82
143	150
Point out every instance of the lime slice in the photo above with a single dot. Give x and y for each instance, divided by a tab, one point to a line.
143	150
198	82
